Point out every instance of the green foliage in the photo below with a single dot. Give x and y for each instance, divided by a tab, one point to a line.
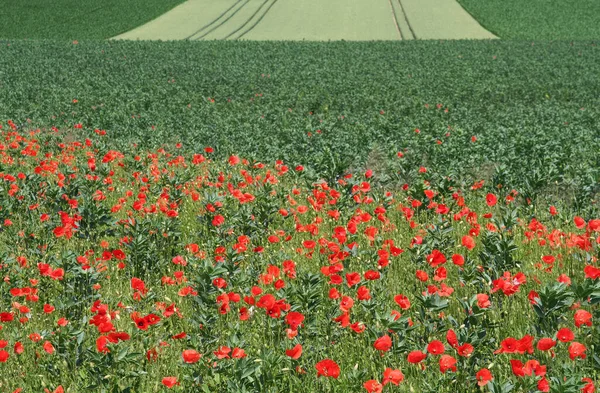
76	19
182	248
533	109
538	19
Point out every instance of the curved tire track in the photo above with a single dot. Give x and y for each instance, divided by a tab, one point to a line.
223	22
258	21
213	21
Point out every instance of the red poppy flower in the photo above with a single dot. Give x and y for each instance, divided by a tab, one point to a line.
589	385
579	222
421	275
363	293
451	338
383	343
238	353
191	356
582	317
218	220
436	348
465	350
440	274
508	345
220	283
295	352
394	377
18	348
458	260
294	319
447	362
352	279
222	352
169	382
545	344
416	357
483	376
491	200
483	300
138	285
48	347
565	335
436	258
468	242
327	368
373	386
402	301
577	350
591	272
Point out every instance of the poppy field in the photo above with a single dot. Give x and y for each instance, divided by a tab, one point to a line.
420	220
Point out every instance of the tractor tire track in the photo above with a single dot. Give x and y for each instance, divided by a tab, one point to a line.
247	21
223	22
412	32
210	23
395	18
258	21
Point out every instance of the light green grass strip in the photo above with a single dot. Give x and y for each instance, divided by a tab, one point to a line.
442	19
181	22
322	20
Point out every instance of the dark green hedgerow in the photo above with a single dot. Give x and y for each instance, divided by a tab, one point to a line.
538	19
533	108
77	19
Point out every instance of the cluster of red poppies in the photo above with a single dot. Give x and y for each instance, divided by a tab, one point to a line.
222	266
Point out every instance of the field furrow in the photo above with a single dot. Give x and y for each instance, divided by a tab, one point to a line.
218	20
403	22
255	21
229	24
252	20
395	17
400	16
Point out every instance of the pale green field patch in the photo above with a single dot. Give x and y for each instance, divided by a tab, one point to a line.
181	22
312	20
442	19
235	23
318	20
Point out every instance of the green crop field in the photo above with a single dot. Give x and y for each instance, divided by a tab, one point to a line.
266	217
538	19
304	196
536	98
76	19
